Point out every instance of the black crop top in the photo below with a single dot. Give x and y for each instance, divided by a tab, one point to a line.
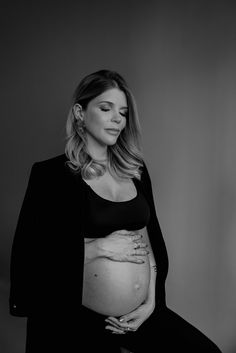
105	216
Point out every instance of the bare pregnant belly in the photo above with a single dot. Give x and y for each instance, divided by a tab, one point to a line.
115	288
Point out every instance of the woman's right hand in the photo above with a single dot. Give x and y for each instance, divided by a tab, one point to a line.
124	246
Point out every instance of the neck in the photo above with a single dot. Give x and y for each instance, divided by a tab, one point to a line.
99	154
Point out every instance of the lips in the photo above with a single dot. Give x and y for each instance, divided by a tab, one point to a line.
113	131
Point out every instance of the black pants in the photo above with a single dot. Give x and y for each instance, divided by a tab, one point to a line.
163	331
84	331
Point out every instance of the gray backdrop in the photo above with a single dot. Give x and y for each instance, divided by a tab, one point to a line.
179	58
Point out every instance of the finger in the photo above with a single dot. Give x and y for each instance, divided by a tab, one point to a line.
136	237
143	245
140	245
126	319
123	322
122	326
114	319
115	330
140	252
130	329
116	324
131	324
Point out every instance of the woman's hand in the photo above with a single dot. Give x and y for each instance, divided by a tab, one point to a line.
123	245
130	322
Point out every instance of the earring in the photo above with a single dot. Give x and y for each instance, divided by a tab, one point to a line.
81	125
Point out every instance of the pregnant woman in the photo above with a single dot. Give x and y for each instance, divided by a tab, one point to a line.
89	262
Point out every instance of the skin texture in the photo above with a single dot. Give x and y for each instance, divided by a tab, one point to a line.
133	320
108	110
101	115
116	287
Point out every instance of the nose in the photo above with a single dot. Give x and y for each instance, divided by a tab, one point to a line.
116	117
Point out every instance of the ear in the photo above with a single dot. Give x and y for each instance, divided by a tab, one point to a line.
78	111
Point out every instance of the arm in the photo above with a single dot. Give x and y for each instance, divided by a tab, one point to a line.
92	250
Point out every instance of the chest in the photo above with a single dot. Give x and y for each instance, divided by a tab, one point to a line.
111	189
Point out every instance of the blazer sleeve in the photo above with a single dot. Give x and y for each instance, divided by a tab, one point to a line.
156	239
21	263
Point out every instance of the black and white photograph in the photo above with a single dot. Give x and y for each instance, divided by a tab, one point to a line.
118	176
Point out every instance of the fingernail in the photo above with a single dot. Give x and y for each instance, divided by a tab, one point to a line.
121	320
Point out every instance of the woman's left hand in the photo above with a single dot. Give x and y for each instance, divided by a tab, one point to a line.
130	322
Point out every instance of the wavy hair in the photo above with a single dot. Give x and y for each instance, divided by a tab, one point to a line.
125	157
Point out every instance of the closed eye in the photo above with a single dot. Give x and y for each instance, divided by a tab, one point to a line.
107	110
104	109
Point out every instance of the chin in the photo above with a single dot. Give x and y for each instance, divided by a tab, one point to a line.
111	142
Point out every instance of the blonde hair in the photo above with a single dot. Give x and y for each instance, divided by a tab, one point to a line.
125	157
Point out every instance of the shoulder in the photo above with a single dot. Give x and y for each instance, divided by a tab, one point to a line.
54	176
52	170
53	164
56	161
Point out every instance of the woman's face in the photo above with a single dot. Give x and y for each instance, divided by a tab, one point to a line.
105	112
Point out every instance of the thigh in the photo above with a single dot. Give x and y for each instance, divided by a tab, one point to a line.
80	332
166	331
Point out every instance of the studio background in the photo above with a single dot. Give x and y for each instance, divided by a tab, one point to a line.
179	59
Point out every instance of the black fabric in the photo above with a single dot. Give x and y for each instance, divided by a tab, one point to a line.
104	216
164	331
47	260
47	255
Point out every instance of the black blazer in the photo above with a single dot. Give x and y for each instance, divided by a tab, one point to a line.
46	271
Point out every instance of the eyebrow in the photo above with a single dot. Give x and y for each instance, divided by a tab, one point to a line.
111	103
